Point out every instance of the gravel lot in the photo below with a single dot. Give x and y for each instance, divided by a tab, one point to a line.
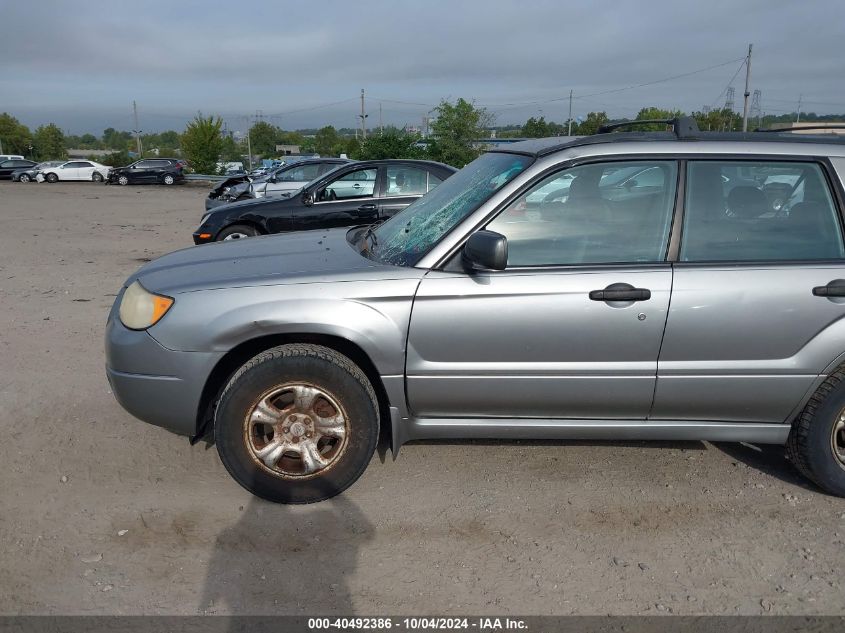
100	513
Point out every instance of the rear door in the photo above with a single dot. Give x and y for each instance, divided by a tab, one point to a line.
757	303
403	184
85	170
548	337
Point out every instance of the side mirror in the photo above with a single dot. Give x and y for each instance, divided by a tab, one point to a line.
307	198
486	250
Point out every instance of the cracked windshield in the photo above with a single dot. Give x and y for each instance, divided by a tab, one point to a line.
409	235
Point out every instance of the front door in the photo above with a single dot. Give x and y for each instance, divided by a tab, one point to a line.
571	328
758	299
347	200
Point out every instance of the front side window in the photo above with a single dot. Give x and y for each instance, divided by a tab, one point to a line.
406	181
356	184
411	233
592	214
303	173
764	211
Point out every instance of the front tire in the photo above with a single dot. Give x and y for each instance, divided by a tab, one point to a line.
297	424
816	444
97	177
24	178
236	232
123	180
51	178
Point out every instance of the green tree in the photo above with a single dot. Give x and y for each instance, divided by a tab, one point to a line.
231	151
456	128
49	142
264	137
14	136
591	124
113	139
327	142
655	113
392	143
202	144
536	128
723	120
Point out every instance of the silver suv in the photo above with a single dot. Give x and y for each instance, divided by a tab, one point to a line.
682	286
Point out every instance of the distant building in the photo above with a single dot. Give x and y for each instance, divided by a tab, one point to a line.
85	153
817	125
287	150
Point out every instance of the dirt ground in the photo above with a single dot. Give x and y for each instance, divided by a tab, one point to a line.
103	514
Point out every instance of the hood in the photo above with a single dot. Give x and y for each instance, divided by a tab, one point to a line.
286	258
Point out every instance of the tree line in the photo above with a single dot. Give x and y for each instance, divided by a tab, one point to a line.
455	130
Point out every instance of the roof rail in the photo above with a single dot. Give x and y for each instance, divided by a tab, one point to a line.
682	126
829	126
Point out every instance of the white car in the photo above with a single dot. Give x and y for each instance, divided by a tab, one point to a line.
75	170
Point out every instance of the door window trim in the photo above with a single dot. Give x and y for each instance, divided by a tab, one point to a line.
834	187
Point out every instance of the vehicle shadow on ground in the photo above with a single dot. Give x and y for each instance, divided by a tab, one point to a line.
286	560
769	459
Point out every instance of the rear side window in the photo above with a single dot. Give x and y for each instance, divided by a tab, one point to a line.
759	211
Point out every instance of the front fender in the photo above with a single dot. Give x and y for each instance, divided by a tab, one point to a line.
372	315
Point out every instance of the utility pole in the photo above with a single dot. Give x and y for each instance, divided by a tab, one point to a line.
569	131
363	118
746	94
380	124
136	130
248	147
798	118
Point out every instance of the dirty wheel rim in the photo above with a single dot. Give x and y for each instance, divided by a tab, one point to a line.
235	236
296	431
168	180
837	439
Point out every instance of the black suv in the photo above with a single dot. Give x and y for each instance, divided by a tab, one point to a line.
163	171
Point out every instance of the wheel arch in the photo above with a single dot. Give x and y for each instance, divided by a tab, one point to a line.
240	354
244	222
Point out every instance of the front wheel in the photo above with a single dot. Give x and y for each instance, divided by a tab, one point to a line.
24	178
51	178
97	177
123	180
816	443
236	232
297	424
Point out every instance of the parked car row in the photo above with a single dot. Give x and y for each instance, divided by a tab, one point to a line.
165	171
341	193
665	286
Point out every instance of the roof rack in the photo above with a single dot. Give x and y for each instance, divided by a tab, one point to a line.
829	126
682	126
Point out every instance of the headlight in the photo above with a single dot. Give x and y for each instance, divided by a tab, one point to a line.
204	218
140	309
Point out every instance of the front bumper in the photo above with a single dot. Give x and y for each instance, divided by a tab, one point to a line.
157	385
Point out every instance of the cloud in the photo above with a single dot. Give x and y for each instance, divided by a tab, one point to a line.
75	59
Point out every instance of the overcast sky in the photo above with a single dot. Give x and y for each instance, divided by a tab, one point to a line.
80	64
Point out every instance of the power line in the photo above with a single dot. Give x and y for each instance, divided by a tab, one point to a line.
725	89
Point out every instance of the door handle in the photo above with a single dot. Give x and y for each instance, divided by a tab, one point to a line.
367	208
835	288
621	292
